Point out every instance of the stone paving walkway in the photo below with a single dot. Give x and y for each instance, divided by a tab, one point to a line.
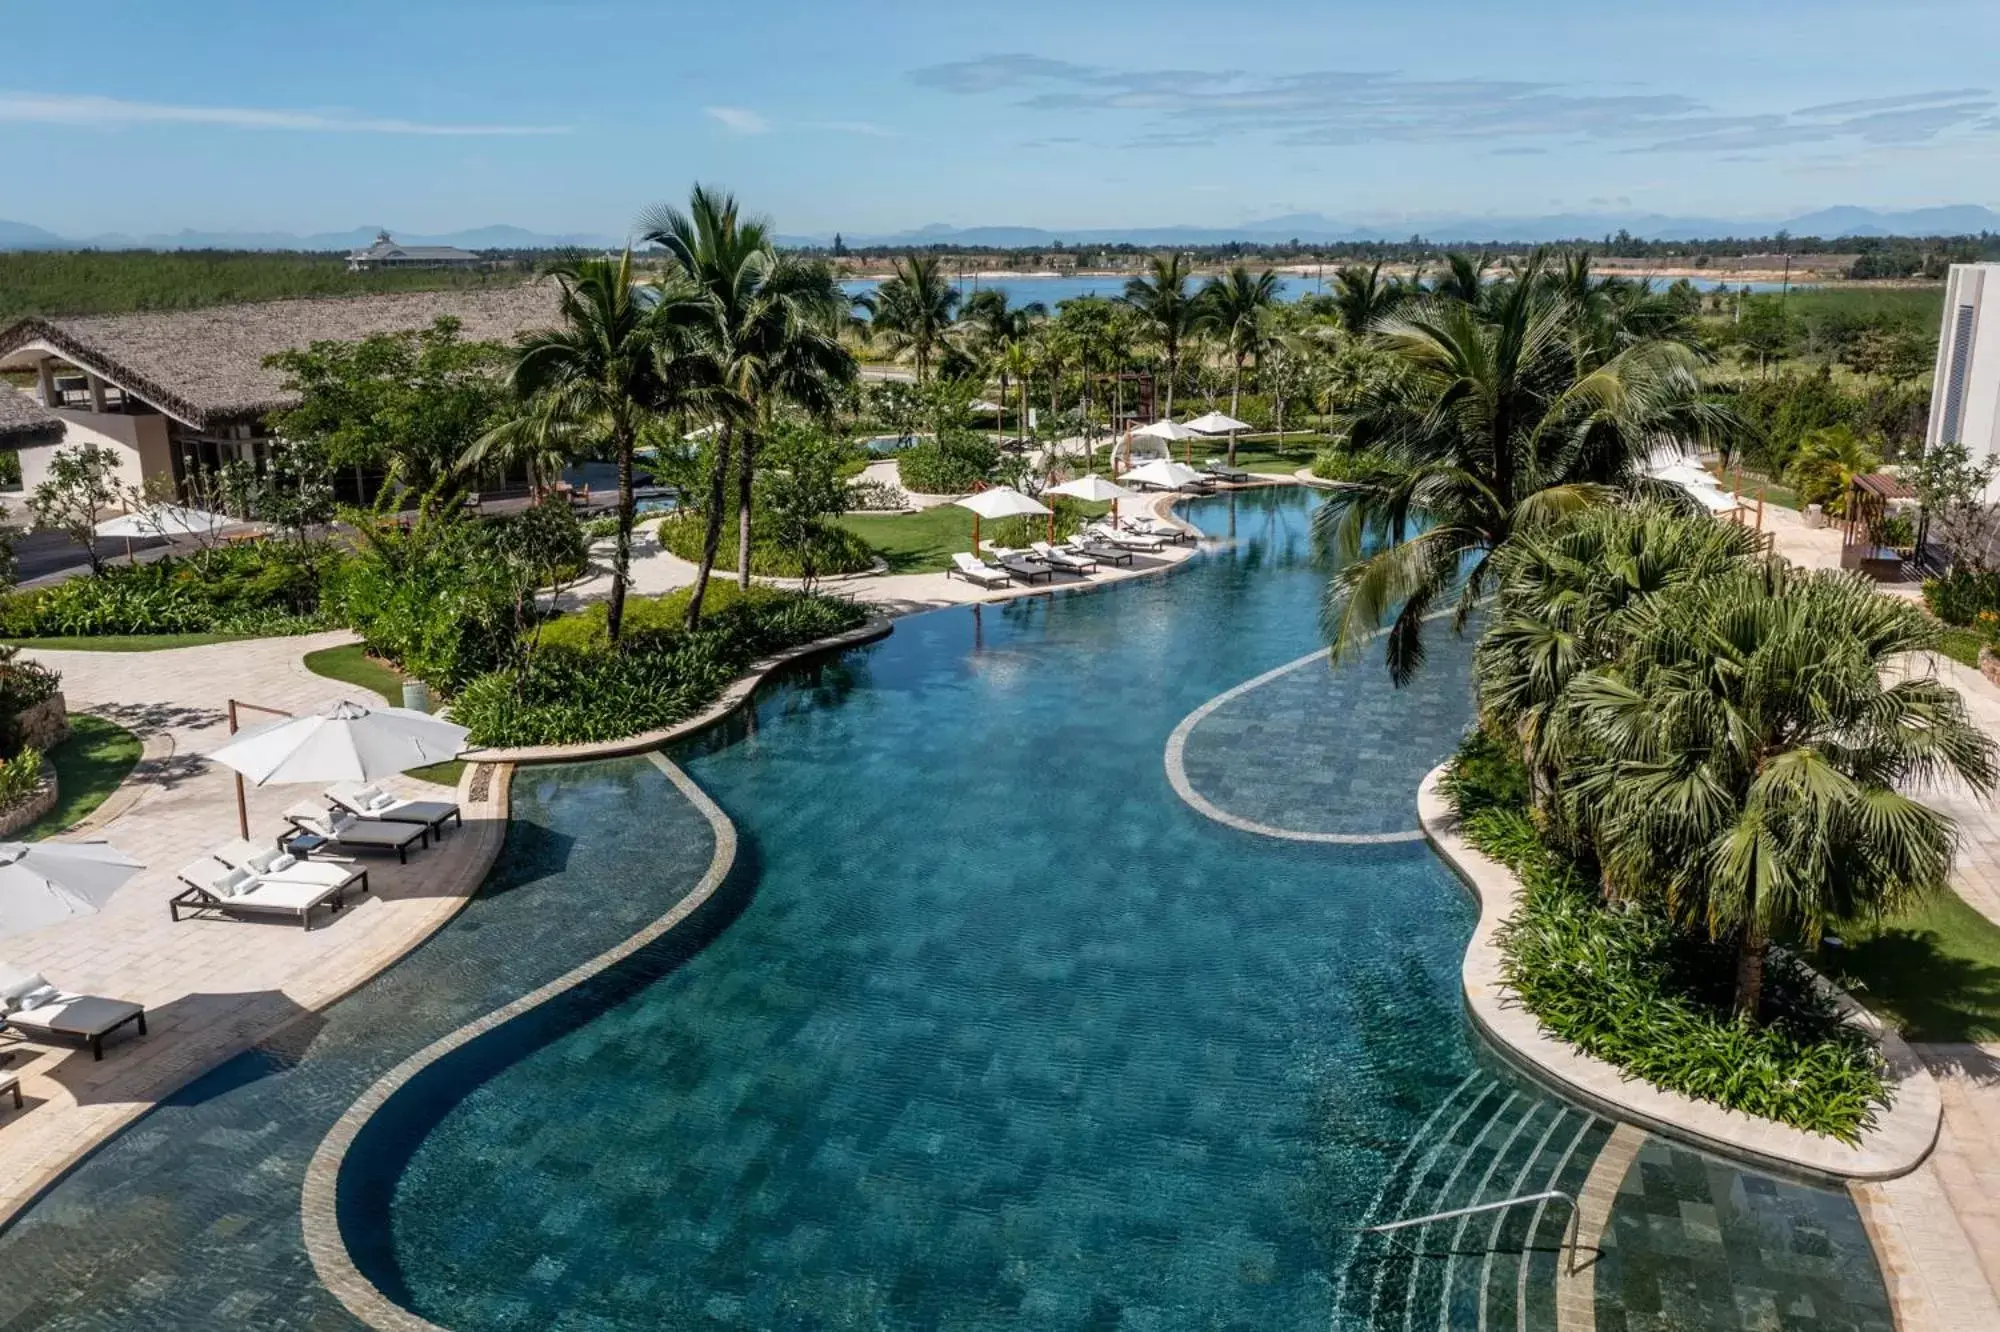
211	986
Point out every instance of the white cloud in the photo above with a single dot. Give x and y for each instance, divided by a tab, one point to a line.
866	128
742	120
116	113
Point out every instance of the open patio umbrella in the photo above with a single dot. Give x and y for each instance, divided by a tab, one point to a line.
42	883
347	742
1168	430
998	502
1215	423
1095	489
1164	473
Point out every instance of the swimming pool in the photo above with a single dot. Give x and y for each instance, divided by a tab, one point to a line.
990	1027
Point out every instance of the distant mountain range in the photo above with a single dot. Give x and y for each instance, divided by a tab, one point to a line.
1309	228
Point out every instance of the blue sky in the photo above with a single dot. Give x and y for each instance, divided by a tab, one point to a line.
429	116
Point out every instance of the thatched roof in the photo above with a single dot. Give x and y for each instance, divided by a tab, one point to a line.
25	421
206	367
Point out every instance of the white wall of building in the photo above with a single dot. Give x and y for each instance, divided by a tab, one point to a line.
139	442
1965	391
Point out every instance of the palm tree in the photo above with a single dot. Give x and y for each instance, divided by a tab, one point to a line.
1748	753
996	329
1488	426
1234	306
1160	296
599	378
1826	464
1464	278
1360	297
1565	597
914	309
773	338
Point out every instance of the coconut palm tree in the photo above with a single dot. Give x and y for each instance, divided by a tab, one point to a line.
1489	425
1826	463
773	339
1361	297
914	309
995	328
1166	308
1234	307
615	359
1464	278
1750	754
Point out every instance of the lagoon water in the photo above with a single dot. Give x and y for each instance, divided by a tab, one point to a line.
1053	291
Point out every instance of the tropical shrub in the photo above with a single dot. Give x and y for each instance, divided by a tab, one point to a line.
269	587
1627	986
833	549
1959	597
951	464
574	693
20	777
880	496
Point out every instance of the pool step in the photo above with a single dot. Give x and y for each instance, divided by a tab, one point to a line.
1493	1139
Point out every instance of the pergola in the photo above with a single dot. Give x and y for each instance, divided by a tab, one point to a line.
1864	520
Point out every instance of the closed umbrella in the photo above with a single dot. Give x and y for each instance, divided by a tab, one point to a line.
998	502
347	742
44	883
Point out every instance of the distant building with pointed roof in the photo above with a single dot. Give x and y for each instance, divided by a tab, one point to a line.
386	253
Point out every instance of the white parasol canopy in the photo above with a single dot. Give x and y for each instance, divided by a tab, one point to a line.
1686	475
1712	499
1164	473
981	407
43	883
346	742
1215	423
1094	488
1165	430
1001	502
164	520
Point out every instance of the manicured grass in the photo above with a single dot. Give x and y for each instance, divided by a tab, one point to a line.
1934	969
920	542
127	642
351	664
1775	492
1962	646
89	766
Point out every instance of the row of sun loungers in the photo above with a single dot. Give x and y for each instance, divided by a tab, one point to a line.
1083	554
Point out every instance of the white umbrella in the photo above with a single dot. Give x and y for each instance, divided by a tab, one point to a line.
1166	430
42	883
1164	473
998	502
347	742
1684	474
164	520
981	407
1712	499
1093	488
1215	423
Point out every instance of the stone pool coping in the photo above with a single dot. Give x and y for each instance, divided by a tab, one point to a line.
319	1197
1900	1141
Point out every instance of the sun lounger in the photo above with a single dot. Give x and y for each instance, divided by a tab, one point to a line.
1222	471
271	864
348	833
41	1012
1128	540
1163	531
975	570
372	802
1023	566
1067	560
1101	551
281	890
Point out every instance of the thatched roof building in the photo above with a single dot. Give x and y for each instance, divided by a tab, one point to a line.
25	421
205	367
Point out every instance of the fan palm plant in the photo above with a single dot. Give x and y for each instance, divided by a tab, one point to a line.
772	339
1167	311
914	309
1750	754
1489	425
613	362
1234	307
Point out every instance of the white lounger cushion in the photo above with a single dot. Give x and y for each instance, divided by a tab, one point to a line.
75	1015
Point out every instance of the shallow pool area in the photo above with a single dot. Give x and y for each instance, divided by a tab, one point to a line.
988	1027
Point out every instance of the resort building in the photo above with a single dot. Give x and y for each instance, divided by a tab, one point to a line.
24	421
386	253
1965	393
176	391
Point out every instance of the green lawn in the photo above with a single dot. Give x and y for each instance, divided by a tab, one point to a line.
351	664
1962	646
923	542
89	765
1934	969
127	642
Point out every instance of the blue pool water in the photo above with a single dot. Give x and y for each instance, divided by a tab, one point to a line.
987	1029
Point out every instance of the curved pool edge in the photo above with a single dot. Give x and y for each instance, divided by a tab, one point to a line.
319	1198
1899	1143
483	794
